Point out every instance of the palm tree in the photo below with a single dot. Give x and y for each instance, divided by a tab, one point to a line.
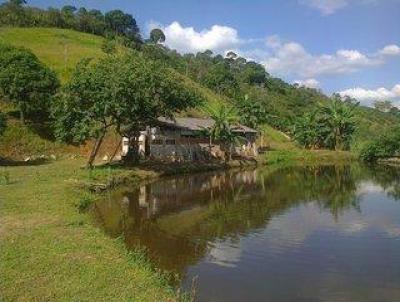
338	117
225	118
308	130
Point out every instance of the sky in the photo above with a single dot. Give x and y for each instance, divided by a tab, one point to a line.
346	46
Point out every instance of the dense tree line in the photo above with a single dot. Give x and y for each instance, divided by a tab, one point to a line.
110	24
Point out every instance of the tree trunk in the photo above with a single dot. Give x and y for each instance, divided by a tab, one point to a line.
95	150
22	113
115	151
133	153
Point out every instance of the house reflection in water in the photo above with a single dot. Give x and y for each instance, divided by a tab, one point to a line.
165	216
179	220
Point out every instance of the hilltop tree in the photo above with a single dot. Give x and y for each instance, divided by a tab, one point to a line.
125	93
122	24
157	36
25	81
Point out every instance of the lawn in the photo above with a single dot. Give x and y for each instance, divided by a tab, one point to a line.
50	251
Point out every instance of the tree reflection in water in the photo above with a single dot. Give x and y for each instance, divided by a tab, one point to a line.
178	219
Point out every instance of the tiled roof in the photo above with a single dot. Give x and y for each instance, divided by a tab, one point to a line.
198	124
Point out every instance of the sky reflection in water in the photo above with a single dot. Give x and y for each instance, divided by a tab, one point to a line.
328	233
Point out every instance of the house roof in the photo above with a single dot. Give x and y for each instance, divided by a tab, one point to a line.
198	124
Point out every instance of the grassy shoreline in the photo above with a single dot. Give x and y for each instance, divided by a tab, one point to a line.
52	251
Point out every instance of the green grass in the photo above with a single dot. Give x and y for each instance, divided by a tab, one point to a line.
60	49
50	251
276	140
308	157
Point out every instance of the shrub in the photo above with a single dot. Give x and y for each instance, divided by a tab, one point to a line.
386	145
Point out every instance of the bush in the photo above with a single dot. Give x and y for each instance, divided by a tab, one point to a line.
385	146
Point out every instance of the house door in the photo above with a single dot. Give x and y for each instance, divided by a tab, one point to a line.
147	146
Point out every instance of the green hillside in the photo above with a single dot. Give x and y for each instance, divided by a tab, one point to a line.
61	49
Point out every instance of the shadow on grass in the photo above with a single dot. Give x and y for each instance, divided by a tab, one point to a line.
4	162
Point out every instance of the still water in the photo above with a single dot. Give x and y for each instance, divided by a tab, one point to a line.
329	233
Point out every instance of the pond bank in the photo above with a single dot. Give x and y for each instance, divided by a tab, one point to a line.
106	177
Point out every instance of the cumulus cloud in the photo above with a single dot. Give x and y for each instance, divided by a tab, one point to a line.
326	7
291	58
390	50
309	83
218	38
368	96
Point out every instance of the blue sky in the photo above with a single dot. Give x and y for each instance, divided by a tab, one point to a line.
352	46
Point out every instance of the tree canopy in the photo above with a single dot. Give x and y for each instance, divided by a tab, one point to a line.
112	23
126	92
25	81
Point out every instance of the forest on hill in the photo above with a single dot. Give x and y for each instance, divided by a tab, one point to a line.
257	98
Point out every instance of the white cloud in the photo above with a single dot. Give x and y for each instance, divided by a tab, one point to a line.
218	38
310	83
326	7
390	50
368	96
291	58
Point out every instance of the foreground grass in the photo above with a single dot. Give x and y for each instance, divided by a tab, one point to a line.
51	251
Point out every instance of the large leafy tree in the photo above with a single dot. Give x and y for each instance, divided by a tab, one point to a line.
125	93
25	81
122	24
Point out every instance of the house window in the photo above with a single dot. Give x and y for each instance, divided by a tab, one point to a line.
157	142
170	141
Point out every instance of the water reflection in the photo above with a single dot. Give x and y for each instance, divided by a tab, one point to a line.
243	221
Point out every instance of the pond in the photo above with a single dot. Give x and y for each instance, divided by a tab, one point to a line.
325	233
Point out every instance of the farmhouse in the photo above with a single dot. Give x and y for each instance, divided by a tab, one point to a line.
187	139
